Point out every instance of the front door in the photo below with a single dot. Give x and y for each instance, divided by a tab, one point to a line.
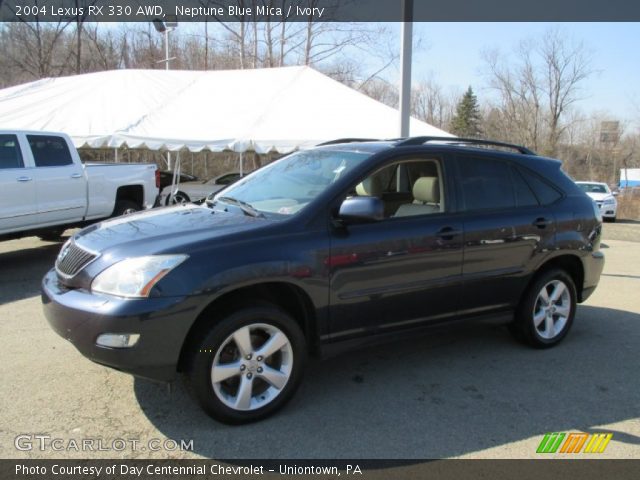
18	206
402	271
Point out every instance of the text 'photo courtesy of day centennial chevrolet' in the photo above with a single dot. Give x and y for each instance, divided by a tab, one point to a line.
339	246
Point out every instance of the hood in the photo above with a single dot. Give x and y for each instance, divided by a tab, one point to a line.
165	227
598	197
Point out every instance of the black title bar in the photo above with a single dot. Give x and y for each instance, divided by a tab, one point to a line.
317	10
546	469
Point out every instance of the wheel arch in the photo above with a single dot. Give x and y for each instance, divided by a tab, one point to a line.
133	193
570	263
288	296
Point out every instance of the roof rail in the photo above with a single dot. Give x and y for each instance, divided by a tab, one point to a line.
412	141
347	140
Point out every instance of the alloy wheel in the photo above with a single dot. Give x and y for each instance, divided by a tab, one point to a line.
252	367
552	309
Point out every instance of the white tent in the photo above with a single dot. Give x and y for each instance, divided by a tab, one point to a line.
276	109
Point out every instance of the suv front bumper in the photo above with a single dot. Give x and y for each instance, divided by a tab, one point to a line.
163	323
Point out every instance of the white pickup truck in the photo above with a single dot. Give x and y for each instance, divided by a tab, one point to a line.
45	188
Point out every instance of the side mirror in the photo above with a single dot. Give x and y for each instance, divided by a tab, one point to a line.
361	209
615	194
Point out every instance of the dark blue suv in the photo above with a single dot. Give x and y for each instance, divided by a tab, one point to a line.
341	245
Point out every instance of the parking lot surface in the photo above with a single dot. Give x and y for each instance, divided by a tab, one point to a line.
469	392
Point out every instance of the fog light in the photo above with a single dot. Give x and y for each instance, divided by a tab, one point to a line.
118	340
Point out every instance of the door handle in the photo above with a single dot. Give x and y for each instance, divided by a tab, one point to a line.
447	233
76	175
541	222
23	179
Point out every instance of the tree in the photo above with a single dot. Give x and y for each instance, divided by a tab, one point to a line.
36	49
538	88
430	103
467	120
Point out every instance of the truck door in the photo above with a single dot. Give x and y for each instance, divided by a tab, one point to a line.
18	205
60	182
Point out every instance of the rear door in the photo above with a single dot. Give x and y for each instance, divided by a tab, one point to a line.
18	206
505	224
402	271
61	190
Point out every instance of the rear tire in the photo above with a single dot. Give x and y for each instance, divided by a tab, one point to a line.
546	310
246	366
125	207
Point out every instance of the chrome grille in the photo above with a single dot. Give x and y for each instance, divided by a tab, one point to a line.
72	259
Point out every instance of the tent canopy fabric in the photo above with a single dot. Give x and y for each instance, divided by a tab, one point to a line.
264	110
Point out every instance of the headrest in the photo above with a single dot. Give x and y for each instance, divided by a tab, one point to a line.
427	190
370	187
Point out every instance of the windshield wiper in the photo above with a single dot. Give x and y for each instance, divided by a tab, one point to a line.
244	206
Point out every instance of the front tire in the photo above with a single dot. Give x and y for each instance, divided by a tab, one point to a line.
248	365
546	310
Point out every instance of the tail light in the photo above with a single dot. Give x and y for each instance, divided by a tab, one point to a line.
158	179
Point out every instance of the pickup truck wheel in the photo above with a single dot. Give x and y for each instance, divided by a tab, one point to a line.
546	311
125	207
247	366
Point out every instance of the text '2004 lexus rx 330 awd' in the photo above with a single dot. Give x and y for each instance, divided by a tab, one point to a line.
340	245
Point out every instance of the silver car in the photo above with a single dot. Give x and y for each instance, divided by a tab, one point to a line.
604	198
197	190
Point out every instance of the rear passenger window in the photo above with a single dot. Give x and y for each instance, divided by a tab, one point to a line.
10	156
49	151
486	184
544	191
524	194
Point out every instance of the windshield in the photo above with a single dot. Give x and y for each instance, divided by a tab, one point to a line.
289	184
593	188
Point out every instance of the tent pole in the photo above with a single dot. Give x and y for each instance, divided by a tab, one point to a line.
241	163
116	154
168	160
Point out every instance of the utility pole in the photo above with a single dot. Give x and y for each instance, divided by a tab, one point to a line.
165	28
405	66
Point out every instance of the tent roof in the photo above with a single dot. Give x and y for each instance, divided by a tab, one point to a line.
279	109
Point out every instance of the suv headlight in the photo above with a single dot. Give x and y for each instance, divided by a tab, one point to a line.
596	211
135	277
609	201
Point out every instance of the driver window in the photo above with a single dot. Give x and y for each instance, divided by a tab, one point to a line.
407	188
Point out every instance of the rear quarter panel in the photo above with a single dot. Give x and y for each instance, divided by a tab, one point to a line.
105	179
